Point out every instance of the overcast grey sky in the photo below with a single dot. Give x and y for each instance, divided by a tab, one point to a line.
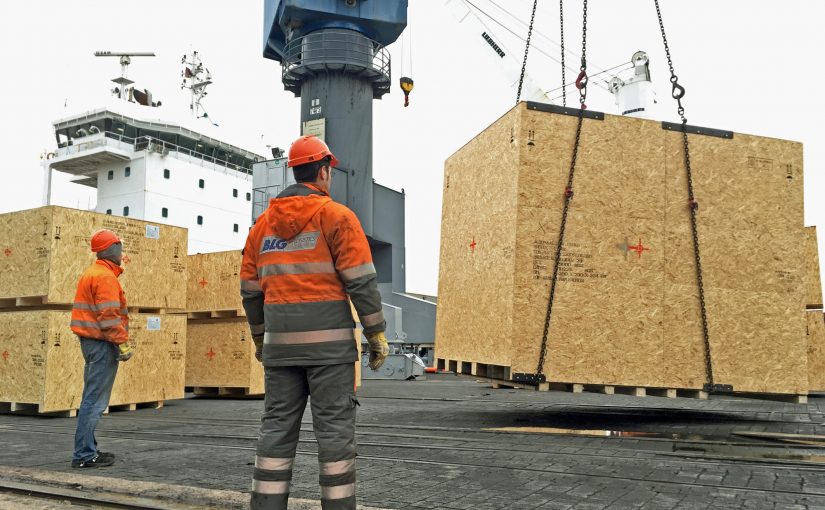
751	66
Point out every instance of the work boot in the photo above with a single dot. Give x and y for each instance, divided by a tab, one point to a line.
96	461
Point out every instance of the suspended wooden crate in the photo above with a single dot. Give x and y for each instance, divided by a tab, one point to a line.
44	251
626	310
214	289
221	359
41	364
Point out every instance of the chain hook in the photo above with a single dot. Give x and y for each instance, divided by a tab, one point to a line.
678	91
581	81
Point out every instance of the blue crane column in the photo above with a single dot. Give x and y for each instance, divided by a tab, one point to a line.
333	57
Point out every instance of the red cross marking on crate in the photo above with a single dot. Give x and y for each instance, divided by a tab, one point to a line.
639	248
7	251
203	283
5	355
211	354
126	259
473	245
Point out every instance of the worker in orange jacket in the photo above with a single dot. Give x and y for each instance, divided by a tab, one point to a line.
303	258
101	321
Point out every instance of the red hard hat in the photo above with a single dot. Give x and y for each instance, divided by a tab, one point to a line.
308	149
102	239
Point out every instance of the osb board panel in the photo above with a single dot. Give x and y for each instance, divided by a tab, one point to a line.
214	282
749	191
63	388
49	250
39	360
749	220
45	364
156	371
475	311
26	254
746	183
816	350
607	319
757	341
617	205
813	280
222	354
737	259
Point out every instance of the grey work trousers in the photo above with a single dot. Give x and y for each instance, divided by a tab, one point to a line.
333	402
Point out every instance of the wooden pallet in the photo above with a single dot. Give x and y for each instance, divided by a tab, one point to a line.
34	409
132	407
216	314
499	377
156	311
25	302
209	391
42	303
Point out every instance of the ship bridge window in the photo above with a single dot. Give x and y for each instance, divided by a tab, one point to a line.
201	183
165	173
126	211
164	212
127	172
200	220
111	175
249	197
235	193
108	211
235	227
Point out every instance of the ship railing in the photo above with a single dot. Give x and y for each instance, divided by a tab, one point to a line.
152	144
336	50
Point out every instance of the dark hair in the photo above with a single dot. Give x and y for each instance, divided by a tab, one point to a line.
309	171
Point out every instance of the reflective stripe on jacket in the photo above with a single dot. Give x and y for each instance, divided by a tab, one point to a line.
99	309
303	258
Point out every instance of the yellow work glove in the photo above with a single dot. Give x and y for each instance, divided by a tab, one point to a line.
126	351
379	349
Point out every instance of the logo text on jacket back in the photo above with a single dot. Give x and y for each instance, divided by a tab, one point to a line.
305	241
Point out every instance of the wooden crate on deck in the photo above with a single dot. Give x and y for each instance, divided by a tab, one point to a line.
44	251
221	354
626	311
221	359
42	364
213	288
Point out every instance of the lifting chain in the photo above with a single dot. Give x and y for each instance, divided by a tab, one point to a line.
678	93
526	50
581	84
563	75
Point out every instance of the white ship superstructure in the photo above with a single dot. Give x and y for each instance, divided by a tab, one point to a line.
158	171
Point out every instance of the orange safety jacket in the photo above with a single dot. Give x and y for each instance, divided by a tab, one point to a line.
99	309
303	258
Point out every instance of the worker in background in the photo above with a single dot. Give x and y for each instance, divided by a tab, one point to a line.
100	319
305	255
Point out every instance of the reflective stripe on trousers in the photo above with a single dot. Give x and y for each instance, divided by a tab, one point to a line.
333	412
